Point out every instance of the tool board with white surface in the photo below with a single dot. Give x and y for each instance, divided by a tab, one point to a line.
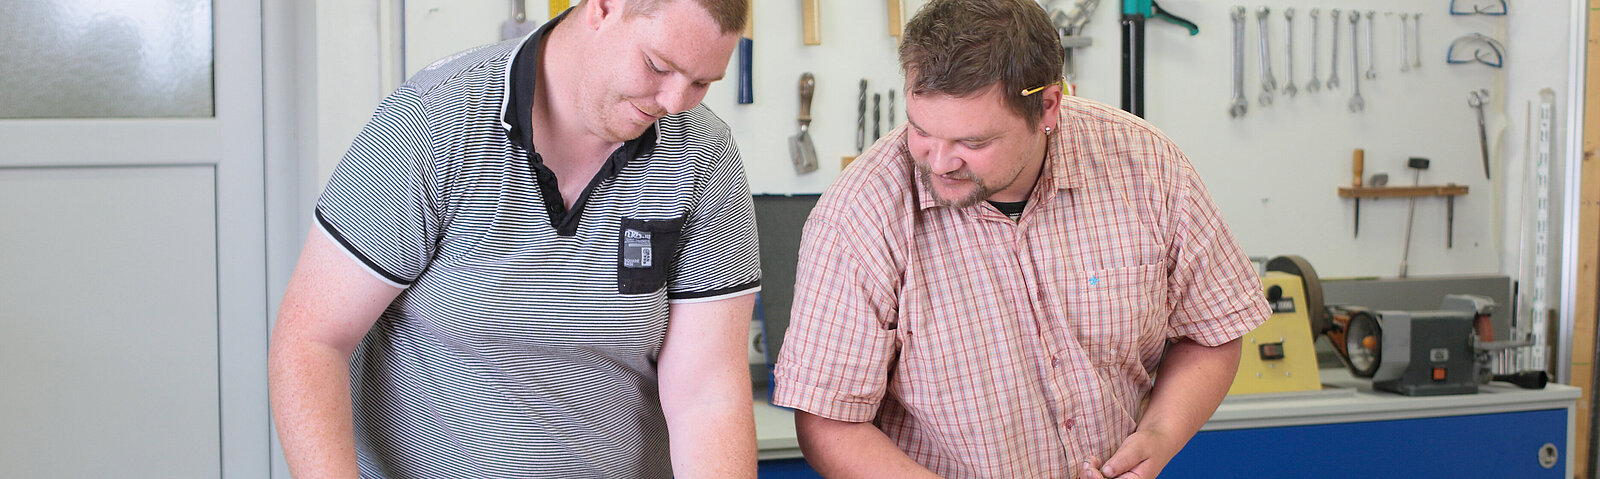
1274	170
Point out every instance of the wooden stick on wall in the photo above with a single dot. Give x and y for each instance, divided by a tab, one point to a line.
896	9
1584	306
810	24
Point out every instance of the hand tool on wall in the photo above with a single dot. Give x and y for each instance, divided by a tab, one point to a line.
1333	78
1134	14
1417	165
1356	103
1416	44
1372	57
1357	160
518	25
747	47
1450	220
1316	32
861	118
1476	99
1288	48
801	151
1269	84
810	22
1239	105
877	114
892	123
1405	43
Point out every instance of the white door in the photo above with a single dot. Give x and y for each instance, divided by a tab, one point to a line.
132	257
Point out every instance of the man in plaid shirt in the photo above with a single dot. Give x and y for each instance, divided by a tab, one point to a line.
1015	283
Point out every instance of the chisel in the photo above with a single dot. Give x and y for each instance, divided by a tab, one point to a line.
1357	159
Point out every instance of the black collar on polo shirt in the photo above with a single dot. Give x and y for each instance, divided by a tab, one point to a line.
523	71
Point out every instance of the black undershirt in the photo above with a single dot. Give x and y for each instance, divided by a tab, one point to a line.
1010	209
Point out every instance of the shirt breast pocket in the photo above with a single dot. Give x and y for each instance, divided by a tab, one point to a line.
1114	312
645	251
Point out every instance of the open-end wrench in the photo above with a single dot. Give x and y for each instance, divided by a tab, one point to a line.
1288	47
1237	107
1268	83
1316	30
1333	79
1476	99
1372	58
1405	43
1356	103
1416	44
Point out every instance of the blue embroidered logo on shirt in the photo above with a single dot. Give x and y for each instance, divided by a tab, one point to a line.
1094	280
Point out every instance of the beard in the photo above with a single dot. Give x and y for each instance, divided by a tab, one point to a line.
980	191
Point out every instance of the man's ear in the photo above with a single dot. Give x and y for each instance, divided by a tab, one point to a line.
595	12
1051	101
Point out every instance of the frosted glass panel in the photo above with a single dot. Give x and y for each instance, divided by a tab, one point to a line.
105	58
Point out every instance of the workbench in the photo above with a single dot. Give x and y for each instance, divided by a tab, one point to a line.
1347	430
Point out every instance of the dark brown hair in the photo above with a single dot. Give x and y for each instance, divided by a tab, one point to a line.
963	47
729	14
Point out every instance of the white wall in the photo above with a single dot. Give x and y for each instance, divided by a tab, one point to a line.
1273	173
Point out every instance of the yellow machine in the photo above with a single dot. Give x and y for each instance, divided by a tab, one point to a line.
1279	355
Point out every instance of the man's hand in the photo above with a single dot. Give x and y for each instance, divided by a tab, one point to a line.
1191	383
1141	456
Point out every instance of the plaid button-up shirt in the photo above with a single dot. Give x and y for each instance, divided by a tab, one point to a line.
986	347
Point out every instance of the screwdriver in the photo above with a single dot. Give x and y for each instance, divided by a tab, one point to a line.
1358	159
1416	164
1450	220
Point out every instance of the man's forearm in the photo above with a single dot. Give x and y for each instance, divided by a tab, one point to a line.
714	439
839	449
1190	385
310	397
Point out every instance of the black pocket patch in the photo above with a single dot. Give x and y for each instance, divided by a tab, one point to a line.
645	252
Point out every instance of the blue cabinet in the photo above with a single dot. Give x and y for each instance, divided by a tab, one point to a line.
1479	445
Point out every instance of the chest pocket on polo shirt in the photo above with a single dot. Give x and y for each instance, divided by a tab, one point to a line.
645	251
1113	312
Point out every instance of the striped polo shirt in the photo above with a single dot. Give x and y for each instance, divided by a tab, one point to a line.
525	341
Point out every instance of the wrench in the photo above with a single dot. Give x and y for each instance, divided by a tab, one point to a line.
1476	99
1316	31
1405	44
1237	107
1268	83
1416	45
1356	103
1333	79
1372	59
1288	47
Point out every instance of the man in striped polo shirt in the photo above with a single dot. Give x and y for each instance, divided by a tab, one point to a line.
536	260
1016	283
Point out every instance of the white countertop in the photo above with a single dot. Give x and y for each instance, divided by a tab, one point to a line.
1344	399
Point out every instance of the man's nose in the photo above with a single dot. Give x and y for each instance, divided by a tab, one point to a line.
678	96
942	159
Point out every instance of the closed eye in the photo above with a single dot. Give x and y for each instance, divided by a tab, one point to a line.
653	67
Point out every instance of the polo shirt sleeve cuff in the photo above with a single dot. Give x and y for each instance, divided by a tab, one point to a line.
714	295
1228	327
350	251
821	402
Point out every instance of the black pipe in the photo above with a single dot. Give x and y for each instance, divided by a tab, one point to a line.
1133	64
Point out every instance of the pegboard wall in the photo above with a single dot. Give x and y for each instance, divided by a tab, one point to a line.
1273	172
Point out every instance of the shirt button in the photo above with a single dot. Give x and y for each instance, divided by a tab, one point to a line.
1069	423
1055	361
